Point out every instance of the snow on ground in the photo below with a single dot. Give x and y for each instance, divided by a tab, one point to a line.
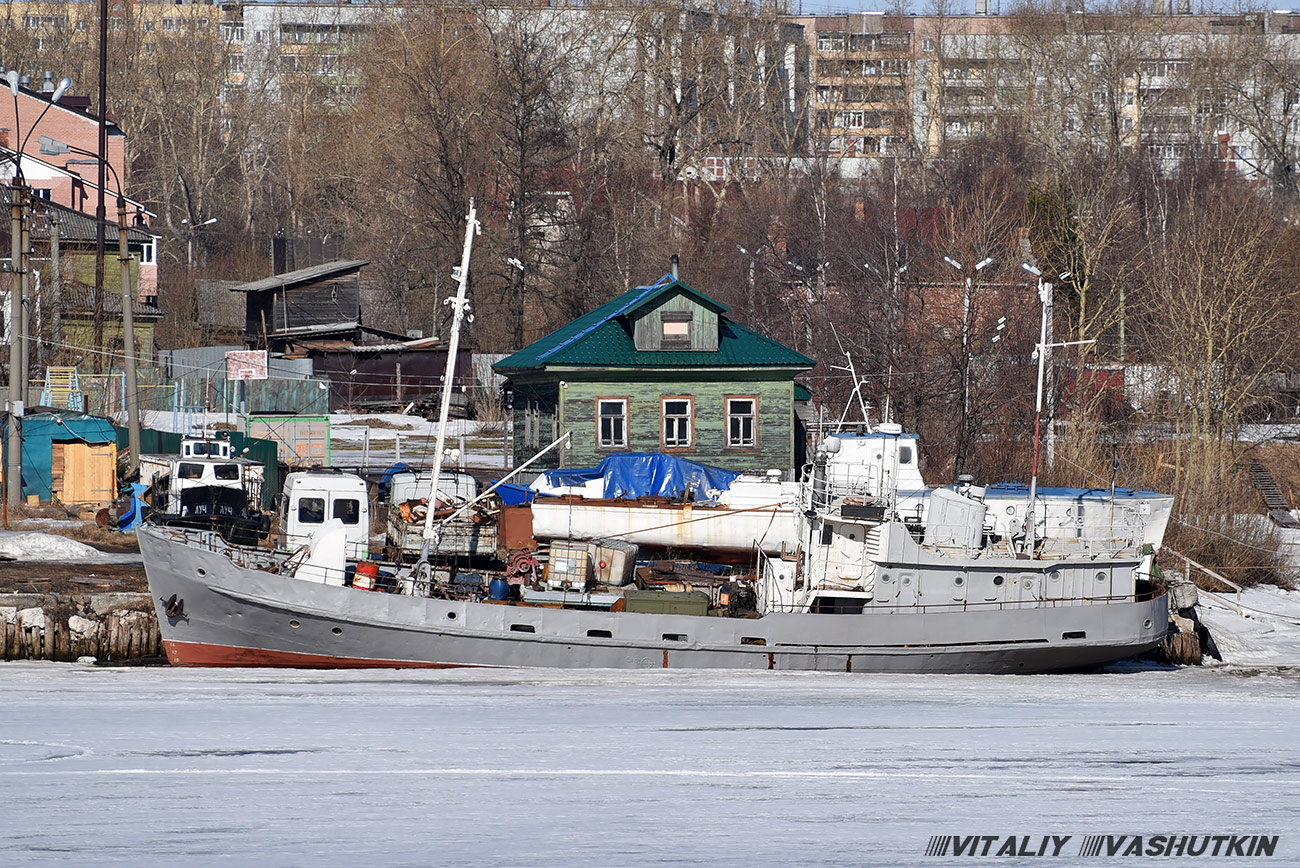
1259	627
561	769
38	546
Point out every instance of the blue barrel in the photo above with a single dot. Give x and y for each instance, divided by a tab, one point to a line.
498	589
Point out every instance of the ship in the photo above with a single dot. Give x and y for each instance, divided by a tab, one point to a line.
855	568
864	581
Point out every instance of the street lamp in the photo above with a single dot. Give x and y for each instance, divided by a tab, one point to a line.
131	386
195	227
17	323
965	351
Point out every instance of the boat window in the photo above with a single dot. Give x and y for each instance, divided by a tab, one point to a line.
674	637
198	449
600	634
226	471
827	530
311	510
349	510
752	640
905	455
998	580
523	628
189	471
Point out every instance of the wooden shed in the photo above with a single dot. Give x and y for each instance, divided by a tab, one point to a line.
316	302
69	458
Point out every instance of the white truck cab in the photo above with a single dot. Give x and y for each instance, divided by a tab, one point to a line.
311	497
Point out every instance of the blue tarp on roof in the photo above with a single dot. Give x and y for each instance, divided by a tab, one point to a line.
632	475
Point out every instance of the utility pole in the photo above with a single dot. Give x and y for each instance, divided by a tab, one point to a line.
14	462
128	342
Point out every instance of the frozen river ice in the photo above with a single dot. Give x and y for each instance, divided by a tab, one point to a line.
158	766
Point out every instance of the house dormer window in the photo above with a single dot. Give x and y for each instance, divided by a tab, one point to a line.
676	334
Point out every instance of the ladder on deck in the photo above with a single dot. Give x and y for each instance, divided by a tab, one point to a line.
1276	504
62	389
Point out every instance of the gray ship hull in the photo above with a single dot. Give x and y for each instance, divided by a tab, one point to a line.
235	616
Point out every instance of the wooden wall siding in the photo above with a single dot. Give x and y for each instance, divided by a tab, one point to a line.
535	414
775	421
83	472
648	325
324	303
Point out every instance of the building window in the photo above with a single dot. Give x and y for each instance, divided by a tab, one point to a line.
742	422
677	422
676	334
611	423
927	45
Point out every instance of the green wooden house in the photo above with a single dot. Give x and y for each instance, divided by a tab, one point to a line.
658	369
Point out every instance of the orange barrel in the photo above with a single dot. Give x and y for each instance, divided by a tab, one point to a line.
367	573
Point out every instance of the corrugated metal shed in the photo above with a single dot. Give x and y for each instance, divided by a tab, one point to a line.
211	361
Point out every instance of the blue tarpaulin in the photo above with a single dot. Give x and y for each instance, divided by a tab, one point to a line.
633	475
132	519
515	495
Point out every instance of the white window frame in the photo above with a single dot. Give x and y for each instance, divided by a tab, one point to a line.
742	442
611	442
677	438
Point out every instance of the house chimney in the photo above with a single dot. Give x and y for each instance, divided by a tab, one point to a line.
676	262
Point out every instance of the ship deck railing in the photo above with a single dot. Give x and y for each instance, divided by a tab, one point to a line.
870	607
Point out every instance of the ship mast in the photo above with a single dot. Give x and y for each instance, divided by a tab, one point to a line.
460	307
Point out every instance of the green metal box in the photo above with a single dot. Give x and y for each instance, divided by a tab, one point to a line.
667	602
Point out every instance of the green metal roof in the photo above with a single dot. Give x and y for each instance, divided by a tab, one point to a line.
603	338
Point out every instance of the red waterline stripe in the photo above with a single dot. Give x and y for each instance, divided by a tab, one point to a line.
197	654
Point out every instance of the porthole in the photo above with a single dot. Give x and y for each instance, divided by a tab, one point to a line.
451	616
1011	510
1146	625
201	571
884	577
294	624
1101	577
959	581
337	631
998	580
853	537
1027	584
907	580
1054	575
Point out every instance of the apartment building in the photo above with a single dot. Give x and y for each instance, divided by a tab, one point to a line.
889	86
